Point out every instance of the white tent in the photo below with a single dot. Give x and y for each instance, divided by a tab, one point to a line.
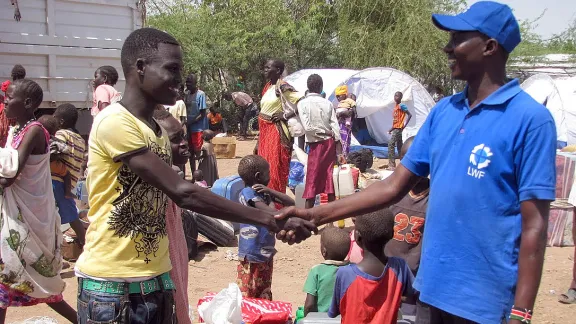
567	88
544	90
559	96
331	77
374	89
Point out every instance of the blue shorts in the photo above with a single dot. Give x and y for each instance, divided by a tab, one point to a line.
66	206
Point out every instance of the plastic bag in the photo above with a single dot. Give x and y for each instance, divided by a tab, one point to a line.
256	311
224	308
296	175
301	155
38	320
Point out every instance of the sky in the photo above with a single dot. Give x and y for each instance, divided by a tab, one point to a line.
558	15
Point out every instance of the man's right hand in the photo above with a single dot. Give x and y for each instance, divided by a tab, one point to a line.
294	230
290	236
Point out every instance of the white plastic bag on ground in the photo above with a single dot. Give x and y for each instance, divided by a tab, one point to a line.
225	308
38	320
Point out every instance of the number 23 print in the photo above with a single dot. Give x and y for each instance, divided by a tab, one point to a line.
402	222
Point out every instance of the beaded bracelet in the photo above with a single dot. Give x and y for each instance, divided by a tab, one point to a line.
524	315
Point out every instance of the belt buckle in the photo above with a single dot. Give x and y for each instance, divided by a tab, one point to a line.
148	286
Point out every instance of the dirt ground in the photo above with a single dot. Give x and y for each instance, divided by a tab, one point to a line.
211	272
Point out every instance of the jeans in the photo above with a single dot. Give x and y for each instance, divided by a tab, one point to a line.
394	143
97	307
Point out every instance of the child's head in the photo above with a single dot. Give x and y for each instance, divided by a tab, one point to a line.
22	99
398	97
406	146
50	123
67	115
18	72
362	159
315	84
341	92
105	75
254	169
374	230
227	96
152	64
178	143
197	175
207	135
334	243
192	82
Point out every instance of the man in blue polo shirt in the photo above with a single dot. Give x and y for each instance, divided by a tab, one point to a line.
490	152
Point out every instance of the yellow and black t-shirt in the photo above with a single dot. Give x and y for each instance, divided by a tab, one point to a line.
127	235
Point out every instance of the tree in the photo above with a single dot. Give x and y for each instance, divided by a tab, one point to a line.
224	40
398	34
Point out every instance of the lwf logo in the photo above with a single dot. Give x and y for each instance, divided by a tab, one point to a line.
480	159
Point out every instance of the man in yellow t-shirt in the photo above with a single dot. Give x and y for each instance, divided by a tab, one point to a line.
127	213
124	270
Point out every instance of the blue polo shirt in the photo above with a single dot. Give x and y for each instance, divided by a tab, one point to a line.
482	164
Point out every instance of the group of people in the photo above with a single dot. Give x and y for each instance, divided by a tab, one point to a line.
485	207
470	269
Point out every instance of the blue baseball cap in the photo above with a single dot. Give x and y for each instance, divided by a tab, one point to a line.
490	18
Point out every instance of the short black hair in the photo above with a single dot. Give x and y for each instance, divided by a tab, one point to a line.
18	72
143	43
192	76
399	92
50	123
336	241
110	73
197	174
376	228
249	165
68	113
279	64
162	114
30	90
363	159
315	83
207	134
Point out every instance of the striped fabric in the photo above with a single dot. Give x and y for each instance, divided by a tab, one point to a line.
75	158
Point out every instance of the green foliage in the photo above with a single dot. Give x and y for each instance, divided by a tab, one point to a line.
395	33
229	40
533	47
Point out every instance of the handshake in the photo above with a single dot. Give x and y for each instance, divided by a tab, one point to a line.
293	225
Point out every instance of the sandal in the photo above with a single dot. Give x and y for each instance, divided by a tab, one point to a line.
569	297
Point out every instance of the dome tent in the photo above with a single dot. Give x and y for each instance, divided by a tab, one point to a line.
331	77
544	90
374	89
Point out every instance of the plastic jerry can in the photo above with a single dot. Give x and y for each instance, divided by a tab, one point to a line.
343	181
229	188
